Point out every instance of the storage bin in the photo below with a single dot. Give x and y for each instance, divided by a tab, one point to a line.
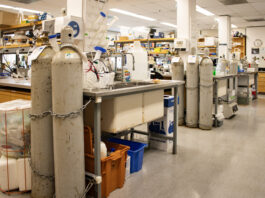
112	167
15	123
136	153
14	145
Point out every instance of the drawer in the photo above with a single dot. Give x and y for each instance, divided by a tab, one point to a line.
262	75
261	83
261	90
261	79
19	95
5	96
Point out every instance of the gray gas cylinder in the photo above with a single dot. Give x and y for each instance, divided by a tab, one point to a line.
206	92
192	90
68	133
41	128
178	74
233	66
254	64
223	64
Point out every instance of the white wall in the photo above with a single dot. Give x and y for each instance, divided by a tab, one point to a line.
209	33
240	30
254	33
214	32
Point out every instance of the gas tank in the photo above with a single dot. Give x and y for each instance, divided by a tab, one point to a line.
67	97
42	132
223	65
192	93
233	67
206	94
177	67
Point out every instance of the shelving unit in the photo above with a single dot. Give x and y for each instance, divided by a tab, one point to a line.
241	47
26	26
13	49
212	49
148	41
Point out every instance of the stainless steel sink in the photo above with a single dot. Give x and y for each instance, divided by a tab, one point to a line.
129	84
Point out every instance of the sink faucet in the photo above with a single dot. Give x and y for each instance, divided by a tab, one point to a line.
123	63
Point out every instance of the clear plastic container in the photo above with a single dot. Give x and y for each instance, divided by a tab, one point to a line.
15	123
14	146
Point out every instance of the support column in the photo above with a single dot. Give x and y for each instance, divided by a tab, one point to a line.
75	8
186	24
224	34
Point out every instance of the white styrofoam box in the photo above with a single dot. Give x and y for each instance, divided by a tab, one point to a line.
24	174
210	41
165	125
118	114
162	145
75	22
153	105
222	87
8	174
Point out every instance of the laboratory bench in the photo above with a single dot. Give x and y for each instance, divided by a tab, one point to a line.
98	96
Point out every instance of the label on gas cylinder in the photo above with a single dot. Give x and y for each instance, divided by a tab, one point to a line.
35	54
68	55
192	59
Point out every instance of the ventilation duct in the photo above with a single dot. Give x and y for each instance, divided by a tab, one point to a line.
24	1
232	2
255	20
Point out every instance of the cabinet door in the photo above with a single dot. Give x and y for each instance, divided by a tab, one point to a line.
5	95
20	95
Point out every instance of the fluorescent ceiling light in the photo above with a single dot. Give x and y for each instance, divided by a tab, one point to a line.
132	14
168	24
203	11
19	9
234	26
124	27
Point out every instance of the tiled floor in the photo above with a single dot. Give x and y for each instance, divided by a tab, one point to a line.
227	162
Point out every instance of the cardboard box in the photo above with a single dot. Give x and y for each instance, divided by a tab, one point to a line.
8	19
162	145
164	126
